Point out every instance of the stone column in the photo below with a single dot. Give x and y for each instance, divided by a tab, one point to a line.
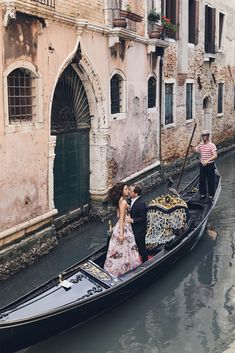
98	165
51	158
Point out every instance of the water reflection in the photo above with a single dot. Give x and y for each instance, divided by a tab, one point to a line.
189	310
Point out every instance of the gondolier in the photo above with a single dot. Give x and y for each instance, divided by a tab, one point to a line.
208	154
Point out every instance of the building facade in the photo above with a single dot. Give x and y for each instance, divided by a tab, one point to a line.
90	98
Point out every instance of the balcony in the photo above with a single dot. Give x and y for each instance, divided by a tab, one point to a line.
49	3
123	19
38	8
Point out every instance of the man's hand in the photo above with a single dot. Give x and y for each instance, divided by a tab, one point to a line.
128	219
193	148
204	163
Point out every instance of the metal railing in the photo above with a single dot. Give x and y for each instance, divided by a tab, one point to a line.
49	3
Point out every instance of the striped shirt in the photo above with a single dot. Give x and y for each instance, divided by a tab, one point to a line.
206	151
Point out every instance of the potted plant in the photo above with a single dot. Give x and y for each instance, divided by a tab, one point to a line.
120	22
128	7
169	28
127	13
155	30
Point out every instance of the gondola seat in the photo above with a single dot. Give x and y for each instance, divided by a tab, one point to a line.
167	220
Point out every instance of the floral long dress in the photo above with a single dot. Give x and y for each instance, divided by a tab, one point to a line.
122	256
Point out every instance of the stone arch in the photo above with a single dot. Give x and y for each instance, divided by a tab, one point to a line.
99	124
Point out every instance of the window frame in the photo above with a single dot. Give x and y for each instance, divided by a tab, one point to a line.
193	12
173	123
122	113
209	43
221	35
152	76
191	82
37	119
218	104
172	12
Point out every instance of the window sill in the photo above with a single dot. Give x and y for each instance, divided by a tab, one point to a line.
27	127
171	40
153	109
169	126
189	121
118	116
191	45
208	56
220	115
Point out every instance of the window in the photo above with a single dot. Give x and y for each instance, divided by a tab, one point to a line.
221	30
193	21
171	12
209	29
220	97
169	103
189	101
152	92
21	95
116	94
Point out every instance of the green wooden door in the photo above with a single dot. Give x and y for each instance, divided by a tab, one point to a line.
71	124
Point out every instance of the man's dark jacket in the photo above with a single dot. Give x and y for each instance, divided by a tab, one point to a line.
139	215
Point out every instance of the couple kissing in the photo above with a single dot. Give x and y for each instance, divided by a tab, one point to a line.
127	242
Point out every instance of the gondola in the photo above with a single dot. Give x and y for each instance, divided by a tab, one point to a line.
85	289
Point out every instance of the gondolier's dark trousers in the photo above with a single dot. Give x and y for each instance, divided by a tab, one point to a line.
207	176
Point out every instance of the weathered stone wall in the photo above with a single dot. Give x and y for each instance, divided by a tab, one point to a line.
134	137
182	62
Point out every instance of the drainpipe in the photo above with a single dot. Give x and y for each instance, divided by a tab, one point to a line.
160	53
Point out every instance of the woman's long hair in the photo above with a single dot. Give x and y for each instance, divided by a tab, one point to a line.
115	193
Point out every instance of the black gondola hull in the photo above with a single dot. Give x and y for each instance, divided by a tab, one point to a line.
23	332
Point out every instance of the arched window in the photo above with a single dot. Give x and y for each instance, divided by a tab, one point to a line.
21	95
116	94
152	88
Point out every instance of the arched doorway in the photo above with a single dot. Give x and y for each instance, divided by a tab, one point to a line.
207	114
70	122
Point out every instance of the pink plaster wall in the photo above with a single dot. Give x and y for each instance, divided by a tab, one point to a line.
24	153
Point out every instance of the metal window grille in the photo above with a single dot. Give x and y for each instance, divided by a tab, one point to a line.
220	97
151	92
21	96
189	101
49	3
115	94
168	103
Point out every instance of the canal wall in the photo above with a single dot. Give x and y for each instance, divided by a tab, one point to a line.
28	249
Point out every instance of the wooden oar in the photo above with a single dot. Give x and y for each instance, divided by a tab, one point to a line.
185	158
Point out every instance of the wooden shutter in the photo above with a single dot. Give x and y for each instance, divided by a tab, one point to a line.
213	19
196	11
206	24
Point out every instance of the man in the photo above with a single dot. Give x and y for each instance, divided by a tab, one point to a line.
138	219
208	154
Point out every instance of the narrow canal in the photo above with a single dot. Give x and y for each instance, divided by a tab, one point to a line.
189	310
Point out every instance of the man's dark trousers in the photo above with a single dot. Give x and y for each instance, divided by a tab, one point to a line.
139	215
207	174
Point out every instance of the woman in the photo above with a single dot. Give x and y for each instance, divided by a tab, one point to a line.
122	255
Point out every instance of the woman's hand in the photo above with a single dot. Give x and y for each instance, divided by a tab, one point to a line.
121	237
